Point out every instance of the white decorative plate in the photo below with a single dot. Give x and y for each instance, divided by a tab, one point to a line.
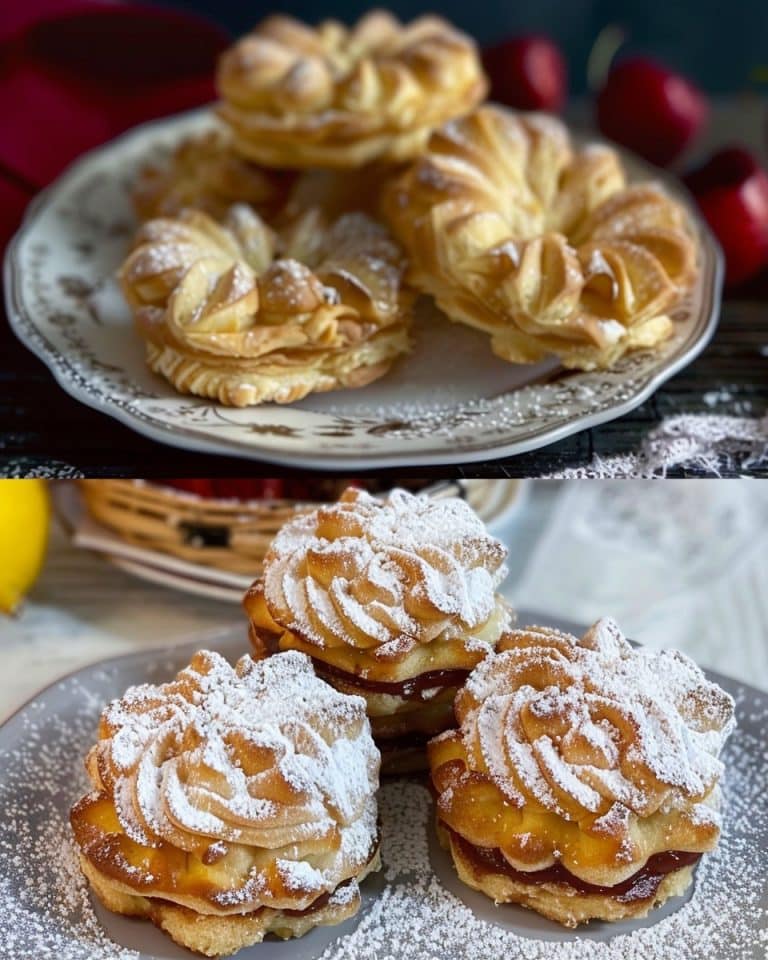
450	401
415	909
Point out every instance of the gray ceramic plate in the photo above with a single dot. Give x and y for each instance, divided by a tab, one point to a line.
415	908
450	401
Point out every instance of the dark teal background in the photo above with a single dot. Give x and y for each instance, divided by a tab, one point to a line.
719	44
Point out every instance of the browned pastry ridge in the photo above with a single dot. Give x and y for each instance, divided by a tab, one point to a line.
582	781
395	600
298	96
204	172
243	314
540	243
231	803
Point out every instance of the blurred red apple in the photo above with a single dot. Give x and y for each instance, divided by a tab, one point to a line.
731	189
650	109
201	488
529	73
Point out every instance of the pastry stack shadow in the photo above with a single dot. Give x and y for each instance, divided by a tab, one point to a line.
347	171
576	777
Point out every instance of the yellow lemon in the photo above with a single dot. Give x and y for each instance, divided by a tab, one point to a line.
25	515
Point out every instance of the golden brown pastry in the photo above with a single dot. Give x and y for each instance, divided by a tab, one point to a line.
541	244
231	803
204	172
240	314
394	600
583	779
296	96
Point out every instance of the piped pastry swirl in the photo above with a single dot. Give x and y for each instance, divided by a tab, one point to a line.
231	793
583	755
205	173
540	243
238	313
396	600
298	96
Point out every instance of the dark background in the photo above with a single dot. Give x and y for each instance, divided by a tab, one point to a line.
720	45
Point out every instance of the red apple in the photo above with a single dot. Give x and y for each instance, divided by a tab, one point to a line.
650	109
731	189
529	73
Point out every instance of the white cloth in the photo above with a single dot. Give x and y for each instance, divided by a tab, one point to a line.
679	564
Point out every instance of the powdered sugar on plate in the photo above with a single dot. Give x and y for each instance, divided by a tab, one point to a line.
46	912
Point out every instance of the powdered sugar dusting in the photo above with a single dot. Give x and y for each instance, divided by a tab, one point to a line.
181	754
407	567
598	720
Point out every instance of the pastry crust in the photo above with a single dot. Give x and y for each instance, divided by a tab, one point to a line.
230	803
296	96
539	243
220	936
241	314
204	172
395	601
586	758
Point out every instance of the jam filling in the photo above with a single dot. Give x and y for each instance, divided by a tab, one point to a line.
318	904
406	741
640	886
412	689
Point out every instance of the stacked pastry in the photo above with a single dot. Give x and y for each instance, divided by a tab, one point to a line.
582	780
329	96
231	803
540	243
394	600
242	314
296	288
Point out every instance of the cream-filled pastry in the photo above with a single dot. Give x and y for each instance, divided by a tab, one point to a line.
582	780
231	803
395	600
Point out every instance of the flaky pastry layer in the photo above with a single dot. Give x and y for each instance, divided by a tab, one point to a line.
297	96
557	901
215	935
541	244
238	313
204	172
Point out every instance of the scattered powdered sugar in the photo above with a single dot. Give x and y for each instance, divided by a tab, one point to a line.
47	913
711	444
418	915
370	566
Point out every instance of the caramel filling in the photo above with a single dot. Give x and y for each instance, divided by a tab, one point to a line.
642	885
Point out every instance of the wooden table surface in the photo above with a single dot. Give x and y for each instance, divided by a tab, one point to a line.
43	429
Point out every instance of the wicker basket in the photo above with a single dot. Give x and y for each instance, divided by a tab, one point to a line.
227	534
230	535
